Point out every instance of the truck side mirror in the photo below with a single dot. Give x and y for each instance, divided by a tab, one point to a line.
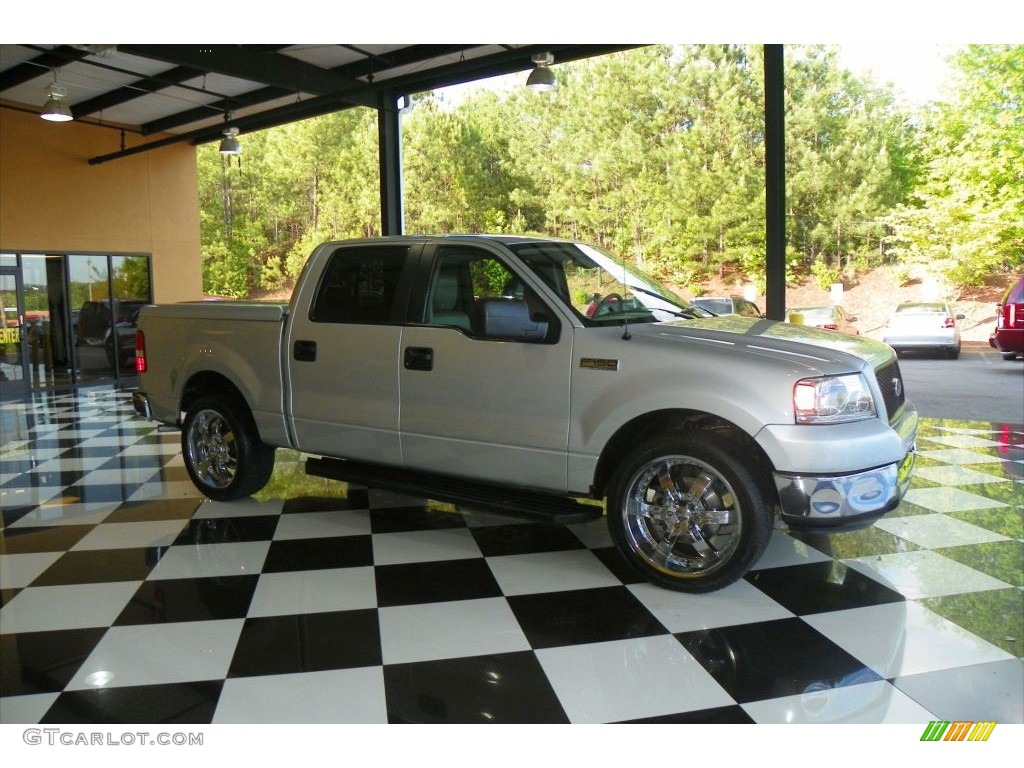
509	319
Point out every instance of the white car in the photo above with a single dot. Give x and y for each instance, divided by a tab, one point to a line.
924	327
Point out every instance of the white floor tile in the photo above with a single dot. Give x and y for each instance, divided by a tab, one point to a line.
147	654
629	679
17	571
904	639
73	606
350	696
739	603
924	573
952	474
550	572
866	703
783	550
949	500
938	530
314	591
449	630
959	456
155	533
26	709
423	546
199	560
53	513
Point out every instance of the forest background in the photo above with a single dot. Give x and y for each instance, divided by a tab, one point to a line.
658	154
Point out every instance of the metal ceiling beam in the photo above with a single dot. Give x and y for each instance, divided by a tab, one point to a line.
262	66
33	68
134	91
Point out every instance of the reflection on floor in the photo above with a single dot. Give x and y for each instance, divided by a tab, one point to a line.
127	598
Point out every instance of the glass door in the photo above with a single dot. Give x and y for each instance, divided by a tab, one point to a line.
14	336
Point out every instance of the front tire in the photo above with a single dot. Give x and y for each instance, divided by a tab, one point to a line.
687	513
223	453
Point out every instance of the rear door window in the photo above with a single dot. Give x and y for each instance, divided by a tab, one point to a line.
360	286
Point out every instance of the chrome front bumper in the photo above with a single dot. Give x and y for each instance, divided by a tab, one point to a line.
842	502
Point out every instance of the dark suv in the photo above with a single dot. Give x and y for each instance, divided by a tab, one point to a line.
1008	336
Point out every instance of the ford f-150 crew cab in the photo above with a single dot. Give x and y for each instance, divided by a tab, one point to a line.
541	377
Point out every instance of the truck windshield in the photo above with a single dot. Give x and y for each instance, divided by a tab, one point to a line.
599	288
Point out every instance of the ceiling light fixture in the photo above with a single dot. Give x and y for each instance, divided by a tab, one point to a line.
229	145
542	78
56	109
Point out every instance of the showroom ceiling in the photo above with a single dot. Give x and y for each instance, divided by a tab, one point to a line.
193	91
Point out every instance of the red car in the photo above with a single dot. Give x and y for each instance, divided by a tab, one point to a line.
1008	336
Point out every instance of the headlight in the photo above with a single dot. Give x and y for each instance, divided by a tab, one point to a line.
832	399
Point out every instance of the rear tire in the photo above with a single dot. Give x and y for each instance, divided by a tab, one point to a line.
688	513
223	453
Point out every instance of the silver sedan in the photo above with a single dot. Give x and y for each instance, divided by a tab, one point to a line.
924	326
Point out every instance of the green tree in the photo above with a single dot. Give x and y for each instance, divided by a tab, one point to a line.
966	219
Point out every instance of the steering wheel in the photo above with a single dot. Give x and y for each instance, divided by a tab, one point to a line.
604	306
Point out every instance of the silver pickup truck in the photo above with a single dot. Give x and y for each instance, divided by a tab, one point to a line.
538	377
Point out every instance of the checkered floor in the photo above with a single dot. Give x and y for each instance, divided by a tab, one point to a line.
127	598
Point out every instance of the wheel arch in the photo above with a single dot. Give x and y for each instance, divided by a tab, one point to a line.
204	383
677	420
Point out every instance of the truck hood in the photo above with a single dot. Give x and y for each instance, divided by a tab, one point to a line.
812	347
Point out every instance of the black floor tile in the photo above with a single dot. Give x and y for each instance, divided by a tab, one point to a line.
355	499
155	509
583	616
503	688
316	554
43	662
717	716
96	566
524	538
193	702
770	659
309	642
228	530
415	583
173	600
54	538
422	518
819	587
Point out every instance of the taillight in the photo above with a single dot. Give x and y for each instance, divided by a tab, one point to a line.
830	327
948	322
1010	314
140	352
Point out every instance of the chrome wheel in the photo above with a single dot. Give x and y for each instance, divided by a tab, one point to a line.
690	510
681	516
211	449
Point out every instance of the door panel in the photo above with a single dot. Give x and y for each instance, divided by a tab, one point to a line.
480	406
343	357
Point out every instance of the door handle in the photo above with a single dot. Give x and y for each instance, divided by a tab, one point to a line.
304	351
419	359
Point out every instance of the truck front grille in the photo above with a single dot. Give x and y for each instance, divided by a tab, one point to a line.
890	382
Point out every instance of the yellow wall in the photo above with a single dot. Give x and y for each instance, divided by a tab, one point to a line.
52	200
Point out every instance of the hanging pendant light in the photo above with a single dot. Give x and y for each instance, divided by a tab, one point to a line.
542	78
56	109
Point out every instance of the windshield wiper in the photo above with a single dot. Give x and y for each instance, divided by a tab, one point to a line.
688	314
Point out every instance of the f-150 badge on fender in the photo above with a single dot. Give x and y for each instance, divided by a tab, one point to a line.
599	364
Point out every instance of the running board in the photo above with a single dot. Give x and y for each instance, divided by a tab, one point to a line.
503	500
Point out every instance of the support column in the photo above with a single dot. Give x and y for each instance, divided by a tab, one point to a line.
389	148
775	182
